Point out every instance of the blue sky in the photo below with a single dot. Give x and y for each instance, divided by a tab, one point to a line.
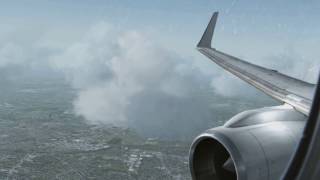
117	75
180	20
248	29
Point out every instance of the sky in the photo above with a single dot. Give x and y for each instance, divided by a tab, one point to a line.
248	29
134	63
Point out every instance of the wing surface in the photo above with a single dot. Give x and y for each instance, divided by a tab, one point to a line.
289	90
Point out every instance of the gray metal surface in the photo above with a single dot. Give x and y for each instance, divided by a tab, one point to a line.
305	164
311	166
260	150
255	144
264	115
289	90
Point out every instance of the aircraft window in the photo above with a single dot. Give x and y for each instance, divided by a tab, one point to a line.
143	90
305	162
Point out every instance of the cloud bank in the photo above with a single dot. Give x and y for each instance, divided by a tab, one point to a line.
123	78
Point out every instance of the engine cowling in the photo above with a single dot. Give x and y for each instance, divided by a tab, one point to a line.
255	144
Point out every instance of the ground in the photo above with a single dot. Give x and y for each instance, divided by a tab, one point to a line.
40	138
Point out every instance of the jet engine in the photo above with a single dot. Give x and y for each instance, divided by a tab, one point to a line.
253	145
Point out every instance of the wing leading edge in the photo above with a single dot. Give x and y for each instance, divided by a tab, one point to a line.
292	91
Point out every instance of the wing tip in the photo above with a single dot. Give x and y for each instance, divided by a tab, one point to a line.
208	33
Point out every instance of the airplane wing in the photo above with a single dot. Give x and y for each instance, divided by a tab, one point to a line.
289	90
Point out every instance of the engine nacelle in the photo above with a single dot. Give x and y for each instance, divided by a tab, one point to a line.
253	145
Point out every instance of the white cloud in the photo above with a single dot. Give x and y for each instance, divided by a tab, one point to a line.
11	54
125	79
110	69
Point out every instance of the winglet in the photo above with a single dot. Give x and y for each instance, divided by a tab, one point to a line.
208	33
